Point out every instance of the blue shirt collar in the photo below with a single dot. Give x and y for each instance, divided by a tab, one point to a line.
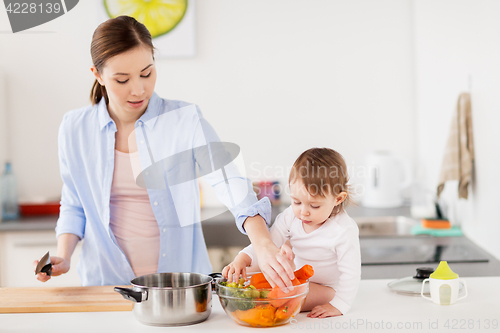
153	110
148	118
103	113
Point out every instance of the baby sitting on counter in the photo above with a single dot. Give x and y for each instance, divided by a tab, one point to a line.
316	230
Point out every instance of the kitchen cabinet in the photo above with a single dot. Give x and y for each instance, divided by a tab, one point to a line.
21	242
18	250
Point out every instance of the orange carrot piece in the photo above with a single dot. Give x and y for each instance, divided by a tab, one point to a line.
257	279
288	309
262	285
304	273
261	315
301	276
277	293
282	313
293	304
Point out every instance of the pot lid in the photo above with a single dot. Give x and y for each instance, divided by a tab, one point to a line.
412	285
444	272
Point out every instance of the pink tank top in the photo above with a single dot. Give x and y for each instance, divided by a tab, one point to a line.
132	219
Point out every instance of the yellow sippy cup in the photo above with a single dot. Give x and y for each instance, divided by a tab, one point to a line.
444	285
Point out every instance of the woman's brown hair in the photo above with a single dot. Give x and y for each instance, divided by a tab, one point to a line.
323	171
113	37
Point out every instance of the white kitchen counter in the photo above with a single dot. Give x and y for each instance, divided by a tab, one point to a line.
376	309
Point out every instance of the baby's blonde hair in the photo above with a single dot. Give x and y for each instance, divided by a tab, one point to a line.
323	171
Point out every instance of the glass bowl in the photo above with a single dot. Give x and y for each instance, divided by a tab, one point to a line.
255	308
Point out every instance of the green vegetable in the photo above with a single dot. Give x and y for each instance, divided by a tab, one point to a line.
243	295
263	293
243	300
251	293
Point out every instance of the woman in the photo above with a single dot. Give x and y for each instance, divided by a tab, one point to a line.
129	136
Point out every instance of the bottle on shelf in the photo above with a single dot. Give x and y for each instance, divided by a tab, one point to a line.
8	194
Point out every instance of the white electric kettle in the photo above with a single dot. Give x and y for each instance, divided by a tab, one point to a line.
385	178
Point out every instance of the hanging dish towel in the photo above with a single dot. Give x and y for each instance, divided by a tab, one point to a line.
459	153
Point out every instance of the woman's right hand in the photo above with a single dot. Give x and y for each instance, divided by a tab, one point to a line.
59	266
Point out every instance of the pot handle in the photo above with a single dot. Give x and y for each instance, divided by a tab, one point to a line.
132	295
215	276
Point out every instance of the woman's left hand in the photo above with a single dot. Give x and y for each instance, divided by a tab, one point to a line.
272	264
323	311
275	266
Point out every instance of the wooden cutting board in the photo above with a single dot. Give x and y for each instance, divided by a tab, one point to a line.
62	299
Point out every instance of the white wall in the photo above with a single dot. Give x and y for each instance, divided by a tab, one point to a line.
3	119
276	77
47	73
455	39
3	125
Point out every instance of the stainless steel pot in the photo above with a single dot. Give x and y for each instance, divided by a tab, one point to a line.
171	299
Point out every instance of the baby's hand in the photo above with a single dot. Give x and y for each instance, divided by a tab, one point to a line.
237	268
323	311
286	251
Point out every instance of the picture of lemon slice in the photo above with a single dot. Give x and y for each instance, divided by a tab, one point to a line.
159	16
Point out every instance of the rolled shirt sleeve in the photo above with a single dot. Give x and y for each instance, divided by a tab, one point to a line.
261	207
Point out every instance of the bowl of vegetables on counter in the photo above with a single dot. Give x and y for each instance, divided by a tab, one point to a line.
255	303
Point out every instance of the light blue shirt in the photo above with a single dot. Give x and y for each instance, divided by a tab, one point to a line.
167	128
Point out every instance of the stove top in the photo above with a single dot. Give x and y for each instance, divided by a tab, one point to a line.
420	254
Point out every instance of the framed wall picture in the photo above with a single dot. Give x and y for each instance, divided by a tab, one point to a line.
171	22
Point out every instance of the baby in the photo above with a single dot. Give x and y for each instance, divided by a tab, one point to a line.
319	232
